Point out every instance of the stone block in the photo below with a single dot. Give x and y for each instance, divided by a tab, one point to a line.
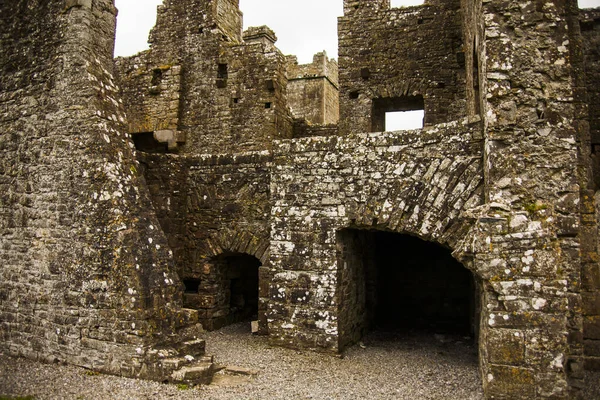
164	136
591	303
199	373
591	327
506	346
193	348
507	382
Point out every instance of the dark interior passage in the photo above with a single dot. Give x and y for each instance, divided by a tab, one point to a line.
238	275
226	292
242	273
393	281
419	285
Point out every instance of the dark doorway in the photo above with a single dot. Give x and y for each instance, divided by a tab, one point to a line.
229	292
400	282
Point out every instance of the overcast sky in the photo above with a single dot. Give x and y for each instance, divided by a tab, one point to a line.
303	27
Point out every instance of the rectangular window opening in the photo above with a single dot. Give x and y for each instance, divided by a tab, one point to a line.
222	71
404	120
267	105
398	113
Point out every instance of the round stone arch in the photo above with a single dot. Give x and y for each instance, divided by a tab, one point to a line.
409	212
232	273
395	279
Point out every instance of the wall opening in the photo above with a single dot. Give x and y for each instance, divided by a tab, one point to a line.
145	141
403	120
191	285
387	113
402	283
227	292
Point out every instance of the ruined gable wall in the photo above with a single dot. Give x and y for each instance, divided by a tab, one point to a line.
223	95
400	52
86	275
151	93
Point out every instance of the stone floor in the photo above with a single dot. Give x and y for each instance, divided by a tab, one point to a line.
385	366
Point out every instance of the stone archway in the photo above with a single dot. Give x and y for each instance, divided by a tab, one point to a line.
227	290
398	281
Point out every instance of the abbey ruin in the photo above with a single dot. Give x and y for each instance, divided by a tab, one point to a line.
212	179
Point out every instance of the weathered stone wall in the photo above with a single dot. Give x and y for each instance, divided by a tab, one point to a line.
588	98
210	206
415	182
313	90
527	239
87	276
151	93
235	96
390	57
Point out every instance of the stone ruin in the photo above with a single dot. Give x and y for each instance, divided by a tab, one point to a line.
211	179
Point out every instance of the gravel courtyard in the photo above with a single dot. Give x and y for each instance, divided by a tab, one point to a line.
385	366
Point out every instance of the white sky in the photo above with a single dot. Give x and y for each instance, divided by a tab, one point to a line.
303	27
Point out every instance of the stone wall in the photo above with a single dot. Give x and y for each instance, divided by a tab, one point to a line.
588	99
211	206
390	61
415	182
87	277
531	245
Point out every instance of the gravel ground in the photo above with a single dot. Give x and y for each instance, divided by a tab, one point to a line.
387	366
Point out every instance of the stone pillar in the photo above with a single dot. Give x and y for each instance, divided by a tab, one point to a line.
529	245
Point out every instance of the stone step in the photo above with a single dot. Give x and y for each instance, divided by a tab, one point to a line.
234	370
198	373
195	348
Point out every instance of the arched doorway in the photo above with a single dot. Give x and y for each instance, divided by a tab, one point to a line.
226	292
396	281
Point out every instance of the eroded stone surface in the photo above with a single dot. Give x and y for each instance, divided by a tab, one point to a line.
104	245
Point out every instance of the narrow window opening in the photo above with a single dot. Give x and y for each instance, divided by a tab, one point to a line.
398	113
476	77
267	105
365	74
236	100
353	95
156	77
222	71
